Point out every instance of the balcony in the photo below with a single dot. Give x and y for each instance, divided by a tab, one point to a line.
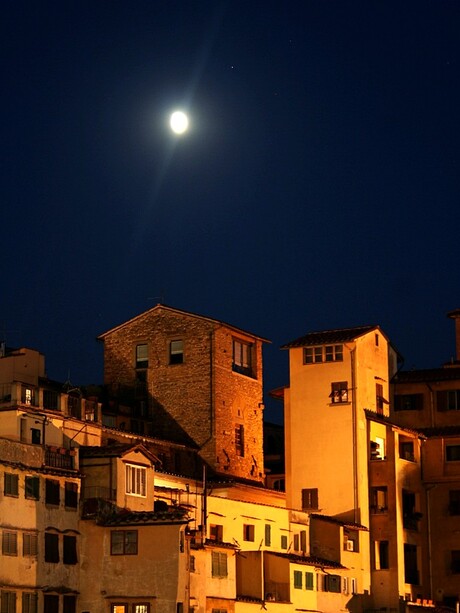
57	457
276	591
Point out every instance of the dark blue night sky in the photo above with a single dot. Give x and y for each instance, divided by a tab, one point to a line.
317	188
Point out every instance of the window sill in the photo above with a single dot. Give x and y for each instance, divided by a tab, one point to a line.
334	404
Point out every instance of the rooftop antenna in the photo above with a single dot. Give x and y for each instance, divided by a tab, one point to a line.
160	298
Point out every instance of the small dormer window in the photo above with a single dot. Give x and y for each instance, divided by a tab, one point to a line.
136	478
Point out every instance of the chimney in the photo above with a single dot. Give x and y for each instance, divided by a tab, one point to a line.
456	315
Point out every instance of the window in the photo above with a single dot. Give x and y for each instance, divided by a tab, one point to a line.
328	353
268	535
351	540
298	579
310	499
331	583
10	484
176	352
248	532
142	356
32	488
309	581
296	542
448	400
52	492
36	436
219	564
70	549
71	494
216	533
454	502
50	400
8	602
29	544
377	449
406	450
380	401
239	440
455	562
410	564
51	548
123	542
29	602
119	608
28	396
51	603
410	515
242	357
284	541
452	453
141	608
339	392
9	543
135	480
192	564
219	611
179	607
379	499
408	402
382	557
74	406
70	604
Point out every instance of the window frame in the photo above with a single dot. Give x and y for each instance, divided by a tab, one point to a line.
69	603
51	603
268	535
249	531
11	484
310	500
339	392
71	495
32	487
239	440
216	533
309	580
52	548
323	354
176	351
141	357
136	480
30	544
8	600
52	492
242	357
219	564
126	544
29	602
9	542
69	549
297	579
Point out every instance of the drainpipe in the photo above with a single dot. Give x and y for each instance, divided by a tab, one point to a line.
354	435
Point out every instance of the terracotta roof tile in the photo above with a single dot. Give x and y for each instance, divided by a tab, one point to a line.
324	337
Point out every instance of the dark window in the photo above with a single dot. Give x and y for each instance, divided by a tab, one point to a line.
248	532
328	353
51	548
176	352
70	549
50	400
71	494
454	502
239	440
406	450
9	543
284	541
216	532
296	542
179	607
29	544
410	564
408	402
298	579
382	555
192	564
331	583
303	541
452	453
242	357
410	516
219	564
52	491
268	535
448	400
309	581
310	498
74	406
36	435
455	562
142	356
379	499
8	602
339	392
29	602
10	484
70	604
351	540
380	400
123	542
51	603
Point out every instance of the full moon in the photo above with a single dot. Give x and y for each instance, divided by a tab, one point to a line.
178	122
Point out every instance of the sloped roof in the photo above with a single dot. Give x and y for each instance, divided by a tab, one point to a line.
340	522
310	560
115	450
324	337
448	373
158	307
130	518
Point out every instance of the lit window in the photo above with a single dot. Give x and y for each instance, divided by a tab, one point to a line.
119	608
141	608
123	542
142	356
176	352
242	357
379	503
339	392
135	480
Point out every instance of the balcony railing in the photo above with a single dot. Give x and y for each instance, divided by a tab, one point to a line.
276	591
60	458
